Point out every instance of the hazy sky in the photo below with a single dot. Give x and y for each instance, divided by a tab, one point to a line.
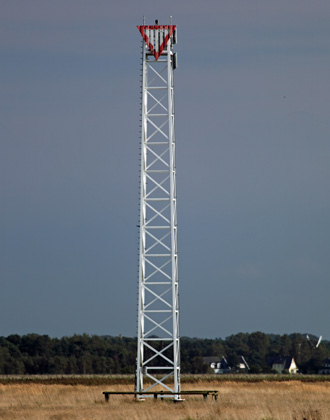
252	93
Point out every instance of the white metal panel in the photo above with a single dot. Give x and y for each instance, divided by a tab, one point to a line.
161	36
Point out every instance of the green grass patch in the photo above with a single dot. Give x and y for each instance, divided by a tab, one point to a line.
130	380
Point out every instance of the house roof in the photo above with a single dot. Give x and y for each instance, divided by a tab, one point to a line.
211	359
281	360
223	364
242	361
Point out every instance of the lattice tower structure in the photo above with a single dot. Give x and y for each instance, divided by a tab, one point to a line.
158	346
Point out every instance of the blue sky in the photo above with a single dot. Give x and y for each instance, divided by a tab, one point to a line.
252	127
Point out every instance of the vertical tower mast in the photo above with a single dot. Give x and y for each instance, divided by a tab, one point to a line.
158	346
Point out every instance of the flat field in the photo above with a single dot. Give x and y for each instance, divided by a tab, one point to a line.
268	400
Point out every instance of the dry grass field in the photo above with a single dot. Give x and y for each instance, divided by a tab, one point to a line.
291	400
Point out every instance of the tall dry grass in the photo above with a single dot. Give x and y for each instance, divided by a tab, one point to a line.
292	400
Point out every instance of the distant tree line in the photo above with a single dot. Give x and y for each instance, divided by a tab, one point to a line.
92	354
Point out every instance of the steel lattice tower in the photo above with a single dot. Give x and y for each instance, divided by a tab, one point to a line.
158	346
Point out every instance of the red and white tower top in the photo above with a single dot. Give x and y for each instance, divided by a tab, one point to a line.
157	37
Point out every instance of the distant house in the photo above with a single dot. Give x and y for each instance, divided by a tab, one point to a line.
242	365
213	362
218	365
224	366
281	364
325	369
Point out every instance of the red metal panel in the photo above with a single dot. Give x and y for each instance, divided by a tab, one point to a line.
155	52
